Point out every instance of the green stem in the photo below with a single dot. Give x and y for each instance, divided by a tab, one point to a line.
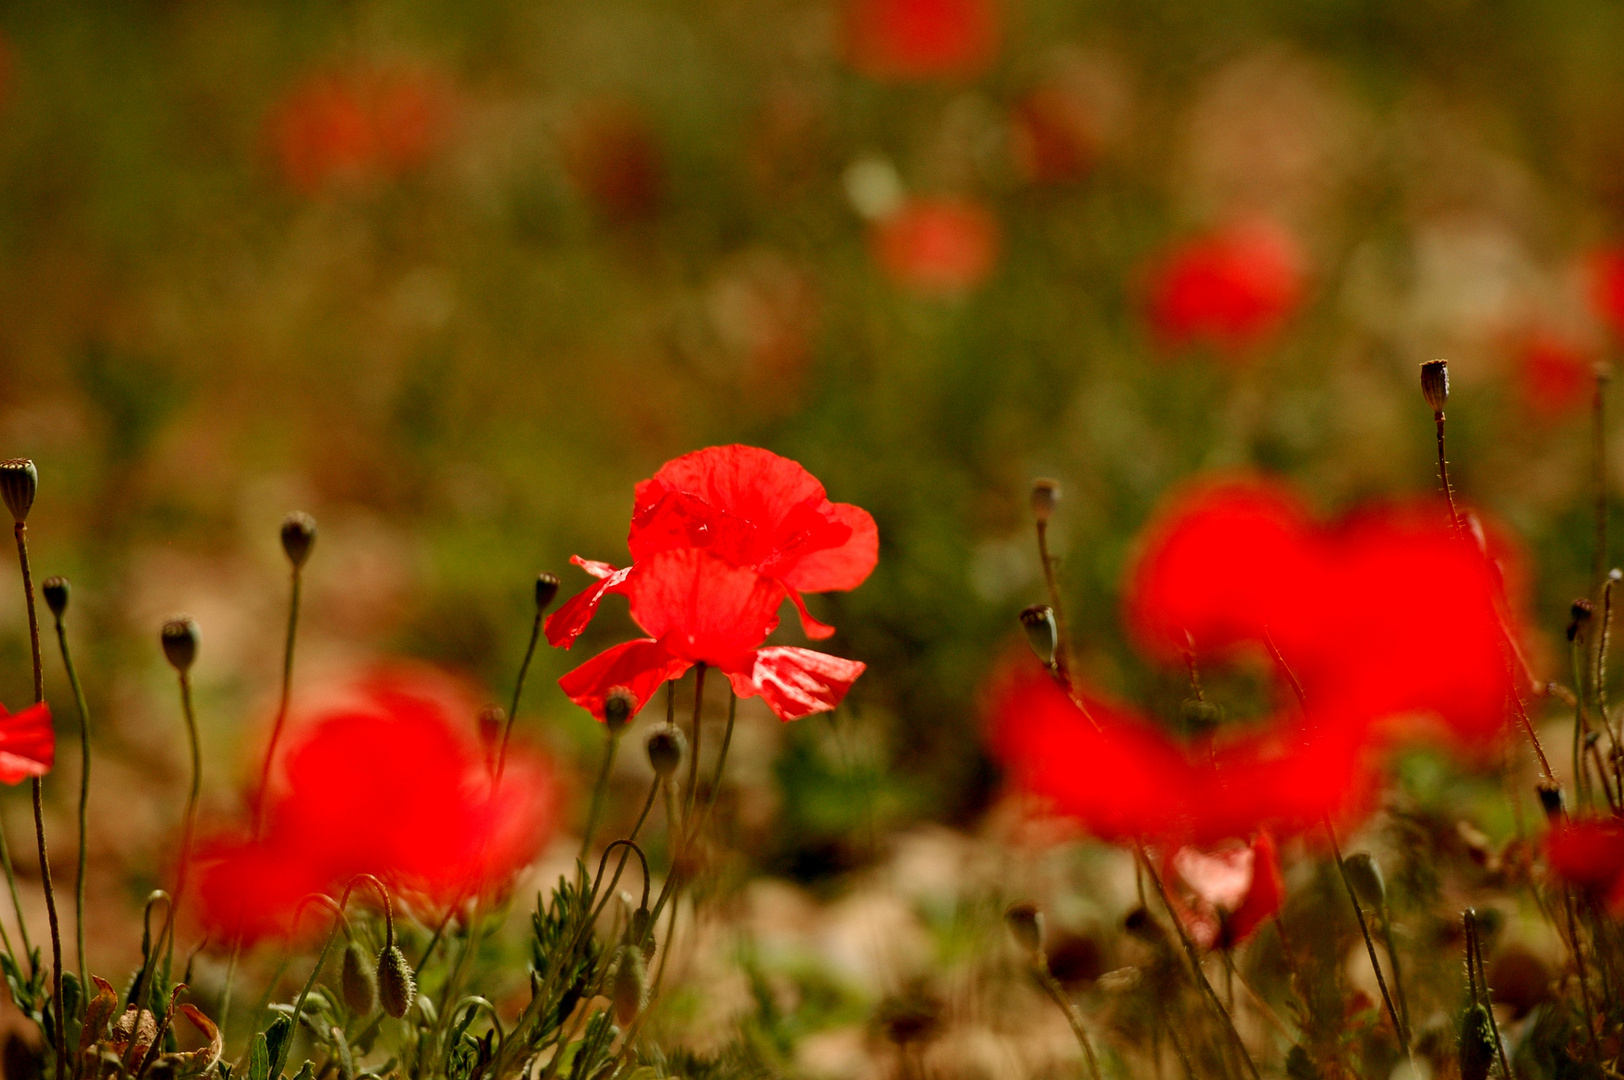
518	689
16	899
84	792
611	745
1057	994
693	761
1370	944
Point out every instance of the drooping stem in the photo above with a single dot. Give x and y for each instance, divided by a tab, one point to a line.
1370	944
84	791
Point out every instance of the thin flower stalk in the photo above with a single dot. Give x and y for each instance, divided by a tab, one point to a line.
1399	1027
84	790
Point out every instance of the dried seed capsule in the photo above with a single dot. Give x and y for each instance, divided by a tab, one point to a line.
1582	610
666	747
1045	497
360	980
19	480
1025	924
1435	383
179	639
298	537
1038	622
56	594
1366	878
546	589
396	987
630	992
618	706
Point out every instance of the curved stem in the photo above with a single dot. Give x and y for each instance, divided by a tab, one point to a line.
84	792
1370	944
518	689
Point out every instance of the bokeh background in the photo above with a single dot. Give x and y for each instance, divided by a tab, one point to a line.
453	277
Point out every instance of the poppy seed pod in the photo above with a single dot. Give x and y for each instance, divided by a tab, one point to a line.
360	981
618	706
179	639
298	537
56	594
396	987
1045	497
546	590
630	992
1038	622
19	480
1582	611
1365	875
1435	383
1025	924
666	747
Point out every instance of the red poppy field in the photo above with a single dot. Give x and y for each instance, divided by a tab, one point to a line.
822	539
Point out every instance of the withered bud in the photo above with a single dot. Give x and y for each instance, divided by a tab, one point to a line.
1435	383
396	987
360	980
1045	497
1582	611
298	537
56	594
19	480
630	991
1550	798
1476	1047
1365	875
1038	622
546	590
492	719
666	747
179	639
618	706
1025	922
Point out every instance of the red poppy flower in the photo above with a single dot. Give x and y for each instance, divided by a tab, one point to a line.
349	129
389	786
700	608
1222	894
1381	616
1231	289
1054	135
750	508
1590	855
27	743
921	39
940	247
1556	373
1606	273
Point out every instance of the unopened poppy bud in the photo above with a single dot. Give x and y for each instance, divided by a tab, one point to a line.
1435	383
618	706
1476	1048
1550	798
630	991
1038	622
56	594
1582	611
1025	924
546	589
637	928
179	639
1365	876
666	747
1201	717
298	537
19	480
396	987
1045	497
360	981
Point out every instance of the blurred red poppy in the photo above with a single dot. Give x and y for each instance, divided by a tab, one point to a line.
27	743
1231	289
1589	854
390	785
1605	270
1054	135
1555	373
938	246
1223	893
613	158
350	129
921	39
1385	615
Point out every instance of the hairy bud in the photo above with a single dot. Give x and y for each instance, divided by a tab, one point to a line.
1045	497
359	980
19	480
546	590
1435	383
630	991
179	640
1025	924
1476	1048
1038	622
666	747
396	987
56	594
618	706
298	537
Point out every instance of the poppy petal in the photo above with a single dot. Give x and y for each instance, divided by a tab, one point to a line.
797	682
640	666
702	608
811	627
842	568
572	617
27	744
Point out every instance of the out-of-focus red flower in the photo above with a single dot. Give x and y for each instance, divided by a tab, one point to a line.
1555	372
1605	270
719	538
613	158
921	39
937	246
1222	894
1385	615
351	129
27	743
388	785
1054	135
1122	779
1590	855
1231	289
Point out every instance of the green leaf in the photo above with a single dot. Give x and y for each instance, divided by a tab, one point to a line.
259	1058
